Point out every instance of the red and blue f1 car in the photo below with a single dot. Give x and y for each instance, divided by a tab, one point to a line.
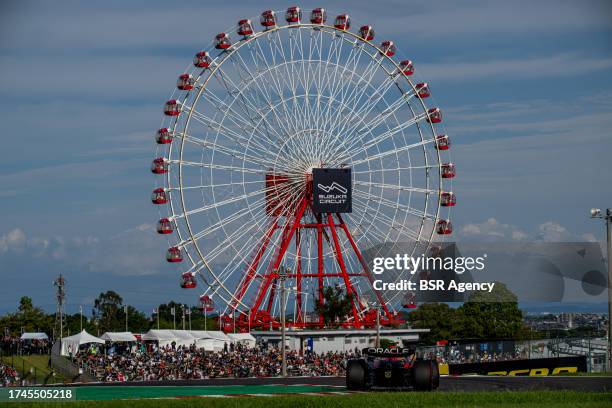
391	368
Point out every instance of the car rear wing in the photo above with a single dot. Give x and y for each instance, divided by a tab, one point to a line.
387	352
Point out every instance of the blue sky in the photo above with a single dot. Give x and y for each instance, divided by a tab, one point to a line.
526	88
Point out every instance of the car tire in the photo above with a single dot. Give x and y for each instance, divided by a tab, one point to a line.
423	374
355	375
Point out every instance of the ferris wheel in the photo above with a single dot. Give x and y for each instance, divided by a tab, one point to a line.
287	151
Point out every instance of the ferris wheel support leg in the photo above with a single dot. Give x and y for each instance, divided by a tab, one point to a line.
347	282
244	285
320	269
364	265
273	273
298	277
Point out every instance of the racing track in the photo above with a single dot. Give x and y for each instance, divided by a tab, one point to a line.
465	383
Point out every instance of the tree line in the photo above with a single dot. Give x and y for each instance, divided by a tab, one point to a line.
107	314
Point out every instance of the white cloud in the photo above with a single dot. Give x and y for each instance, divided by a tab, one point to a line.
492	230
135	252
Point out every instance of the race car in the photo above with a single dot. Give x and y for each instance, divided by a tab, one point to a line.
391	368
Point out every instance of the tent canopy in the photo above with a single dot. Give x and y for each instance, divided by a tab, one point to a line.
70	345
118	336
241	336
34	336
187	338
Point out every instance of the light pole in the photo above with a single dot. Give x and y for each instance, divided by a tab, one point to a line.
377	326
125	308
81	311
596	213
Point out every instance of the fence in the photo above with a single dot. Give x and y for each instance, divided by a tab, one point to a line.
458	352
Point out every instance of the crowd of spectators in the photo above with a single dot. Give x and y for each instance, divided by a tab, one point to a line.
8	375
456	357
15	345
176	363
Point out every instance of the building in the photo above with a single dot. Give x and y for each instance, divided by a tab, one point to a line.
322	341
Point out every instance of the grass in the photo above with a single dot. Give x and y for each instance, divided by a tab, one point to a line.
524	399
40	363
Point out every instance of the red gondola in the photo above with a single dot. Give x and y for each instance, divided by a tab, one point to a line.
448	170
407	67
444	227
388	48
159	196
222	41
448	199
409	301
159	166
318	16
422	90
434	115
268	19
207	303
343	22
185	82
293	15
442	142
163	136
188	280
164	226
172	108
174	255
366	32
201	60
245	28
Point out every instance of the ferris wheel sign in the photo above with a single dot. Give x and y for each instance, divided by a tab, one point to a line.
331	190
295	145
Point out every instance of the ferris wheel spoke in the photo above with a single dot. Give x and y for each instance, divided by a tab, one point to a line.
397	169
263	94
384	220
395	205
390	153
219	204
236	137
387	134
245	124
258	160
394	187
218	166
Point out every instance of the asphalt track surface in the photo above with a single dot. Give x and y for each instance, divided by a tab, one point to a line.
464	383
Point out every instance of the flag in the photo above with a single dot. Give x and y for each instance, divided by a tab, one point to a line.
172	311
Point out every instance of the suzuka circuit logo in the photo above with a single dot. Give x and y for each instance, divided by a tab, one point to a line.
333	186
331	190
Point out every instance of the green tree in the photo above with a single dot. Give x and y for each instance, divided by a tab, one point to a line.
107	311
440	318
494	315
336	305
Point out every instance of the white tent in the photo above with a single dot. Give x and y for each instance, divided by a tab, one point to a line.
243	338
210	340
71	344
217	335
34	336
167	337
118	336
163	337
209	344
183	337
